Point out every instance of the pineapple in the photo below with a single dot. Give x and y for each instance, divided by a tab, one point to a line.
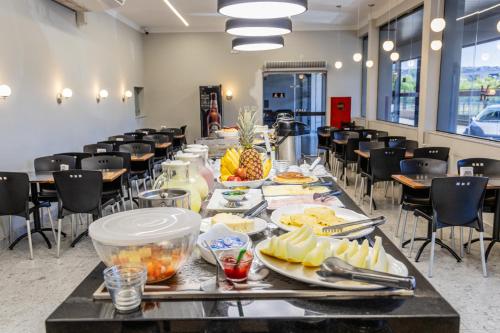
249	158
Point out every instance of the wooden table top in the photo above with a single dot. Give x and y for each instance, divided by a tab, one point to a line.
163	145
420	182
48	177
366	154
142	158
340	142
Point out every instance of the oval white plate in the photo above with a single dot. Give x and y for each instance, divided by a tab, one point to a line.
313	180
298	272
259	225
347	214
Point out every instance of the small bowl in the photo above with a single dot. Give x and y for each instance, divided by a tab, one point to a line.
234	196
216	232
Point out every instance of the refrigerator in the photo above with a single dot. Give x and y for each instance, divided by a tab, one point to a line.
210	110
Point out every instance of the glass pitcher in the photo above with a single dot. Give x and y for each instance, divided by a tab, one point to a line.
176	176
205	169
195	176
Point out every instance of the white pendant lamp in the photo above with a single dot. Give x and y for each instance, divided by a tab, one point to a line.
338	64
388	45
394	56
357	57
438	24
436	45
258	28
369	63
258	43
261	9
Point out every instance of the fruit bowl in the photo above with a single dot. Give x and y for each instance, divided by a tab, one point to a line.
162	239
246	183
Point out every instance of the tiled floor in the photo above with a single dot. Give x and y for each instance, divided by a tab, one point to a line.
32	289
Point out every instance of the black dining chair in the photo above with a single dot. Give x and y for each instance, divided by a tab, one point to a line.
79	192
77	156
176	142
384	163
114	143
324	142
146	131
339	149
161	154
14	201
364	163
136	135
121	138
98	147
183	129
486	167
387	139
412	199
128	179
409	145
350	158
456	202
437	153
369	134
140	169
111	190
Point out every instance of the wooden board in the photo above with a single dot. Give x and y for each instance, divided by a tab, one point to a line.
163	145
424	182
366	154
142	158
48	178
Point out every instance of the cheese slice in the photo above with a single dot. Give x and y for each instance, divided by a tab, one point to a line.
233	222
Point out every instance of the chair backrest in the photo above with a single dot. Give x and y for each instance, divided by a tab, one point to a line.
92	149
385	162
14	194
387	139
136	148
421	166
135	135
114	143
352	145
345	135
126	157
183	129
102	162
122	138
458	201
77	156
369	133
79	191
482	166
53	163
173	131
437	153
324	133
146	131
157	138
369	145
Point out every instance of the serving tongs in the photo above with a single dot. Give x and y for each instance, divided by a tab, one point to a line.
255	211
316	184
334	269
327	195
363	224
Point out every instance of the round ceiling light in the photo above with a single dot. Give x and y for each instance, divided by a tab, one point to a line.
338	64
261	9
258	28
388	45
438	24
258	43
394	56
357	57
436	45
369	63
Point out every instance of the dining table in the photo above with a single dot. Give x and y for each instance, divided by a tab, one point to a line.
47	177
141	157
424	181
424	311
163	145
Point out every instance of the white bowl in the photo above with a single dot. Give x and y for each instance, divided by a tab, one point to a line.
225	134
247	183
216	232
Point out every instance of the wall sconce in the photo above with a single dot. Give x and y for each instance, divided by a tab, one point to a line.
229	94
66	93
126	95
5	91
103	94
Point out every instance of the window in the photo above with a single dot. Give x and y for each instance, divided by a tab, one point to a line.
363	76
399	81
469	93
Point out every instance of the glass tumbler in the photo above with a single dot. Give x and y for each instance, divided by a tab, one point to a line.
125	284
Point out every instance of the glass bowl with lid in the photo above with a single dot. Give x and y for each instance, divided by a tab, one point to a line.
161	239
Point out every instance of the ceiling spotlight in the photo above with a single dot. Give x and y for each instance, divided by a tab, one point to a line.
369	63
338	64
436	45
5	91
357	57
438	24
394	56
388	45
261	9
258	43
258	28
103	93
66	93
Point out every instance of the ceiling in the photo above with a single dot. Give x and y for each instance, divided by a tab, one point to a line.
155	16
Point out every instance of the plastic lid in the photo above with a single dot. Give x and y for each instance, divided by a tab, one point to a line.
187	156
144	226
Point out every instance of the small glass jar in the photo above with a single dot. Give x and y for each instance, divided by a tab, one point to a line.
195	168
176	176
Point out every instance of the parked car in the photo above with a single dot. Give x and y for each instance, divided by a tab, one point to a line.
486	124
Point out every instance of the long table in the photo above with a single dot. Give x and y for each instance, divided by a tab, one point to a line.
427	311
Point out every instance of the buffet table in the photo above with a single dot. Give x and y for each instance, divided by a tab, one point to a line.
425	311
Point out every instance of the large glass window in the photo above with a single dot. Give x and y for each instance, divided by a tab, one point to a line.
469	94
363	76
399	74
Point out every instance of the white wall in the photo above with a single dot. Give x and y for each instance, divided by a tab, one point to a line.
177	64
42	51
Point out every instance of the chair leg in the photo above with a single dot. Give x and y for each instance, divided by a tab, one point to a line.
452	236
145	184
123	204
403	231
386	186
72	227
51	223
58	241
345	175
470	240
10	230
28	231
483	258
431	259
112	209
137	186
461	243
362	190
392	188
415	221
130	198
371	200
356	184
396	232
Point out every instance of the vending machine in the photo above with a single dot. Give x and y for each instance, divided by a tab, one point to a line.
340	111
210	110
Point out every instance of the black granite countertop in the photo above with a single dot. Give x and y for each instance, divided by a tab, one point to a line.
427	311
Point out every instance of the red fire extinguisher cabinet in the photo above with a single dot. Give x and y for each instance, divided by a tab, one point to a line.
340	111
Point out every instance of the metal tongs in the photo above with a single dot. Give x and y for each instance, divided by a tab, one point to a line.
255	211
334	269
318	183
363	224
327	195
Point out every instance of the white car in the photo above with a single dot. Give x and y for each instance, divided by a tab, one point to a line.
486	124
